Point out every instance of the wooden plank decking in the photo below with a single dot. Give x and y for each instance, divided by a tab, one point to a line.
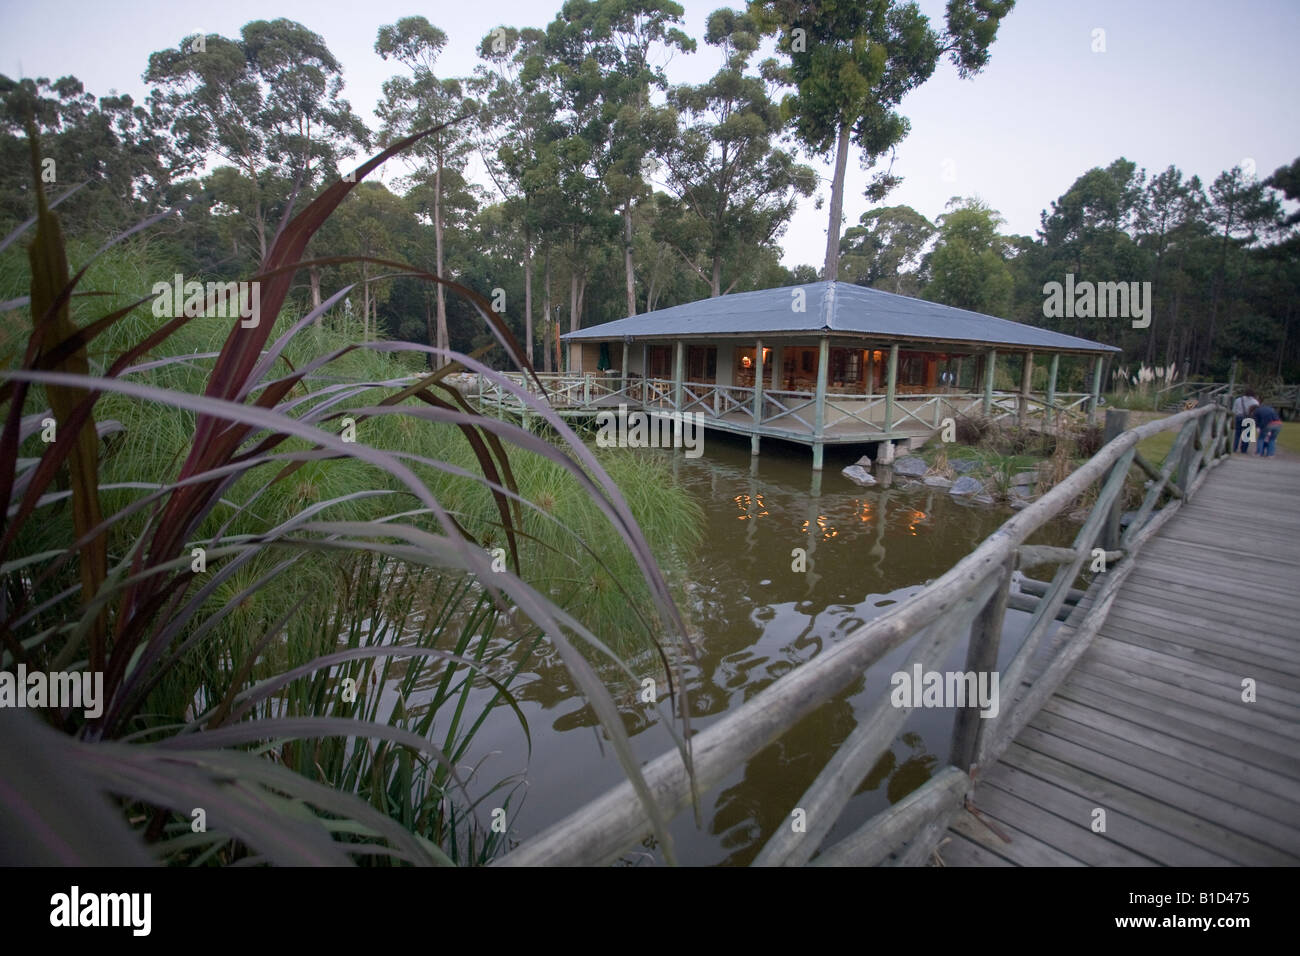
1151	726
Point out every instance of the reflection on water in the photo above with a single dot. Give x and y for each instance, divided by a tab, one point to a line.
754	618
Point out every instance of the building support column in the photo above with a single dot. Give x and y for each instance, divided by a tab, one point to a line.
679	372
990	363
778	367
627	348
819	402
1093	401
1026	385
758	395
891	387
1051	388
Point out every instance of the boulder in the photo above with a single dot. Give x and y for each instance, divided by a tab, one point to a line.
911	467
966	485
858	475
982	499
1025	478
934	481
963	465
863	462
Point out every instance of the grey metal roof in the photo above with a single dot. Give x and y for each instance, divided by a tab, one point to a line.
834	307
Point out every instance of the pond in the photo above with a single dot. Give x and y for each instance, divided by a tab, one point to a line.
755	619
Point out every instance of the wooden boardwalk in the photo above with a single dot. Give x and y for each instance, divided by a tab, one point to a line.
1150	725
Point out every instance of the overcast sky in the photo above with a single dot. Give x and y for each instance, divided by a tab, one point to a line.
1202	85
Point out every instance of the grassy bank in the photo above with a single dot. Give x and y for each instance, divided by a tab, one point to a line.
305	589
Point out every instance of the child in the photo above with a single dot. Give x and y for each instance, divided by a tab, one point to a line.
1269	423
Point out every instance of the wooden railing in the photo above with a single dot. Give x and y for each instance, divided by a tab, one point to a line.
1203	393
968	602
784	409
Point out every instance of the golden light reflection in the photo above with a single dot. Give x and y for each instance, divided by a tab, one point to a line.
864	513
914	519
827	530
750	507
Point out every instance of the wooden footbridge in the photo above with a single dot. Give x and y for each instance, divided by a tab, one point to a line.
1159	724
1151	725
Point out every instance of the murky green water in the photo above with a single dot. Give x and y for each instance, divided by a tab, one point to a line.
756	620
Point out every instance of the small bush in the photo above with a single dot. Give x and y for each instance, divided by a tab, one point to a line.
971	431
1087	440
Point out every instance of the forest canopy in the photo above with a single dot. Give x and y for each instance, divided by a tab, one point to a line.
578	183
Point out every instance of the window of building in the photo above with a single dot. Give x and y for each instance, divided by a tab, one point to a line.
660	360
702	363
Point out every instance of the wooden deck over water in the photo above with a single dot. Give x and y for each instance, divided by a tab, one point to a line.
1150	725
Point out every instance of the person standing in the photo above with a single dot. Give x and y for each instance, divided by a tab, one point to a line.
1269	423
1242	409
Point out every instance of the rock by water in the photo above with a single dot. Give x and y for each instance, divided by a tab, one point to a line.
858	475
911	467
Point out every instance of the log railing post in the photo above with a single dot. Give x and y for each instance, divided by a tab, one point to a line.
981	658
1116	425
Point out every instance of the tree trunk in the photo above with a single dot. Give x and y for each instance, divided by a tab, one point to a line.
832	268
715	283
443	340
314	275
365	303
528	296
546	317
1286	329
1219	280
1155	293
627	258
431	333
260	226
574	313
